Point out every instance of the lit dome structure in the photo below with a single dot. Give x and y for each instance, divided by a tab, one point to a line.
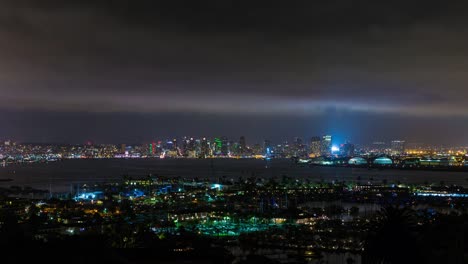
357	161
383	161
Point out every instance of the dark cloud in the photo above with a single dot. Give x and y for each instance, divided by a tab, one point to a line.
269	58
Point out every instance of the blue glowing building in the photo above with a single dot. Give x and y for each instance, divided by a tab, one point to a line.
383	161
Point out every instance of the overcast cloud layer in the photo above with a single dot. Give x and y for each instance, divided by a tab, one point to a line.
280	58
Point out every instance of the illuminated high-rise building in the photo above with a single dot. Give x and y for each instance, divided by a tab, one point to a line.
347	149
267	146
298	149
191	144
153	148
225	146
217	146
198	147
242	145
282	150
398	147
169	145
297	141
257	149
315	146
174	144
204	148
185	145
123	148
378	146
326	145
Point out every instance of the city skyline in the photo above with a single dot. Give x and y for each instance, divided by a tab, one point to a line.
243	141
113	71
247	141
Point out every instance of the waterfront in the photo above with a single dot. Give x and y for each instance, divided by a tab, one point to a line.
59	176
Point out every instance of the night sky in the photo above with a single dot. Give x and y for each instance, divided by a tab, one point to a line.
132	71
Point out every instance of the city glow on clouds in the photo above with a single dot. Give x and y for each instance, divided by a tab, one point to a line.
95	59
217	103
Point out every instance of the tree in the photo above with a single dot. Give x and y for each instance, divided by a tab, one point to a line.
34	221
11	233
392	238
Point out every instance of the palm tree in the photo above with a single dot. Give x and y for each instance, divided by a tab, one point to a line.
392	237
11	233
